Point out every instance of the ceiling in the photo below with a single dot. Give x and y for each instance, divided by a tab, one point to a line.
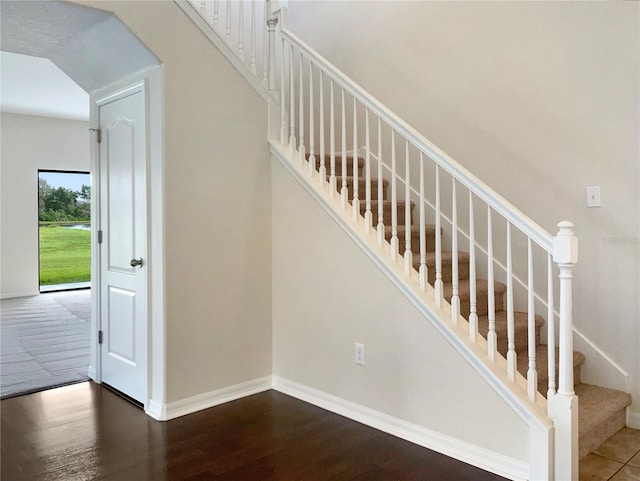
36	86
89	46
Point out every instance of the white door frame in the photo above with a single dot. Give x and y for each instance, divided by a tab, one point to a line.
151	80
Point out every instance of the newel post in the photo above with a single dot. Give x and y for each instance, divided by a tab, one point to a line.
564	408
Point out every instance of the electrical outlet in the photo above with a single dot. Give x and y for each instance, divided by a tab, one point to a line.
360	354
593	196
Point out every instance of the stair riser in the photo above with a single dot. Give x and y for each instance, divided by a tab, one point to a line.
482	305
447	273
362	190
430	243
522	345
591	441
327	166
521	334
386	213
543	378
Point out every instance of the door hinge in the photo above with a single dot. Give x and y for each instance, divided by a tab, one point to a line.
98	134
99	237
99	337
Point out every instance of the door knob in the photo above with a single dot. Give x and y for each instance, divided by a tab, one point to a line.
136	262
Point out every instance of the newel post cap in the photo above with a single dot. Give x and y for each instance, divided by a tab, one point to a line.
565	244
271	23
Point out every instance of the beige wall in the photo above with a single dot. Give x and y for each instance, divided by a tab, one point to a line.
328	295
217	222
540	100
30	143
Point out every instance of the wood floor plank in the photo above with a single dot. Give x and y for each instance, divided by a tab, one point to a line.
86	432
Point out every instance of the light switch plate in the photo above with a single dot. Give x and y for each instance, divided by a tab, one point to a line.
593	196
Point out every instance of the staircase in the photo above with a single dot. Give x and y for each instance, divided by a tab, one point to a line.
601	410
316	114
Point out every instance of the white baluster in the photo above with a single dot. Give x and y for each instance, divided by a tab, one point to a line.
333	186
312	155
216	12
203	8
355	203
265	61
565	402
241	29
344	191
439	286
227	33
423	274
473	304
301	149
292	104
368	216
532	374
394	200
492	337
270	62
455	298
283	111
253	37
512	362
551	332
408	255
380	226
323	168
270	47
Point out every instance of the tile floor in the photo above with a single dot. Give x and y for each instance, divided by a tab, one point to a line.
618	459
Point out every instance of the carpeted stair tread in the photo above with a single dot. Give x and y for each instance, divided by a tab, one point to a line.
338	157
482	290
387	204
542	366
362	187
447	259
600	414
386	209
429	232
521	329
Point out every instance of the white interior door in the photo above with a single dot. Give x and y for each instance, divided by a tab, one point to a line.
123	222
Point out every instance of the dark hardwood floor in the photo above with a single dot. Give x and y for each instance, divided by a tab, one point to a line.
86	432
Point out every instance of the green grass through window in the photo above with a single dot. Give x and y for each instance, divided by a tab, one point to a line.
65	255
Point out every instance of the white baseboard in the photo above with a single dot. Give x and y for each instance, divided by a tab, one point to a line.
463	451
164	412
633	419
156	410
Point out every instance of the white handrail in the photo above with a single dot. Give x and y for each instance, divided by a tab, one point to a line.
499	204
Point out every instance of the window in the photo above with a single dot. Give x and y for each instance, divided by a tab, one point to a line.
64	217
